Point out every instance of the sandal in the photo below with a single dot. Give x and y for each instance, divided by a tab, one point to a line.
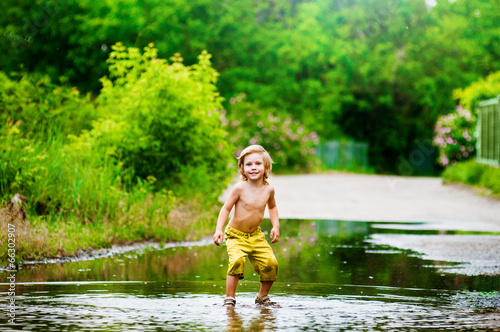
265	300
229	301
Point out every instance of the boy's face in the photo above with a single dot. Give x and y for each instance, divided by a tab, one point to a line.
254	166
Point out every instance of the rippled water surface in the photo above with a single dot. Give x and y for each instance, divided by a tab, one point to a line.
333	275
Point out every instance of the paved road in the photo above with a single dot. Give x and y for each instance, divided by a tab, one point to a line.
362	197
402	199
390	199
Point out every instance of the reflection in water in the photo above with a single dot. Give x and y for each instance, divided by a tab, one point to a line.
263	320
331	276
235	323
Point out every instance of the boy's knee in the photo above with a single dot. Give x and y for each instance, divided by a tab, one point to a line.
239	264
237	267
272	264
269	271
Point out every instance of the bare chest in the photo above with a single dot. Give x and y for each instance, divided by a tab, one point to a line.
254	200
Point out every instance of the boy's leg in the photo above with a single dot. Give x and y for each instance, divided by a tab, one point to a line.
265	287
231	284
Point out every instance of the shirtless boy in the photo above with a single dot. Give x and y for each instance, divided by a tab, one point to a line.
244	237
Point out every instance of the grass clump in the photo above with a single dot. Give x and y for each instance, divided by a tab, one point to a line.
474	174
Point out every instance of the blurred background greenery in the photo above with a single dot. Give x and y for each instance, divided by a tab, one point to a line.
107	105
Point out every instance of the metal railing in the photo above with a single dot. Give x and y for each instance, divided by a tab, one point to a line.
488	132
344	155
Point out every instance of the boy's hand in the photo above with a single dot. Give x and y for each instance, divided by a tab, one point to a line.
218	237
275	234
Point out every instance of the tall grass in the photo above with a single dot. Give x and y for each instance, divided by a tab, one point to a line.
80	198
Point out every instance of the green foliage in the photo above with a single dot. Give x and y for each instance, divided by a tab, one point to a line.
36	118
290	144
454	132
368	70
482	89
148	160
475	174
161	121
39	108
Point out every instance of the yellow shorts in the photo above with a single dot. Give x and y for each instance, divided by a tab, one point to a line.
254	245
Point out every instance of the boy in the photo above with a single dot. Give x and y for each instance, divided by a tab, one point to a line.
243	235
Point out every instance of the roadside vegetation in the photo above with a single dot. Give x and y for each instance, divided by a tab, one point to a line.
456	140
484	178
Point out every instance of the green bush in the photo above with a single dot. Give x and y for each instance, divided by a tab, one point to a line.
162	121
475	174
290	144
41	109
454	136
491	179
36	118
469	172
454	132
148	160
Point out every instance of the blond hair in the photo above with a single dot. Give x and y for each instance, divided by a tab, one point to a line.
268	162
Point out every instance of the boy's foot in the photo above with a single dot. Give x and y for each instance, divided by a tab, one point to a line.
229	301
265	300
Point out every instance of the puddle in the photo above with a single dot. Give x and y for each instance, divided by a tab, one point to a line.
333	275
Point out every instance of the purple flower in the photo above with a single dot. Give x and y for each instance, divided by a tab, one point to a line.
444	160
232	100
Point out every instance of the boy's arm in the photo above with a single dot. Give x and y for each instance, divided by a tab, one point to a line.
273	215
224	214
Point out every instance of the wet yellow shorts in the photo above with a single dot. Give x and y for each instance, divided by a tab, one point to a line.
254	246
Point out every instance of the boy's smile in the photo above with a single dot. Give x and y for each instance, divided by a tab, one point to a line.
254	166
